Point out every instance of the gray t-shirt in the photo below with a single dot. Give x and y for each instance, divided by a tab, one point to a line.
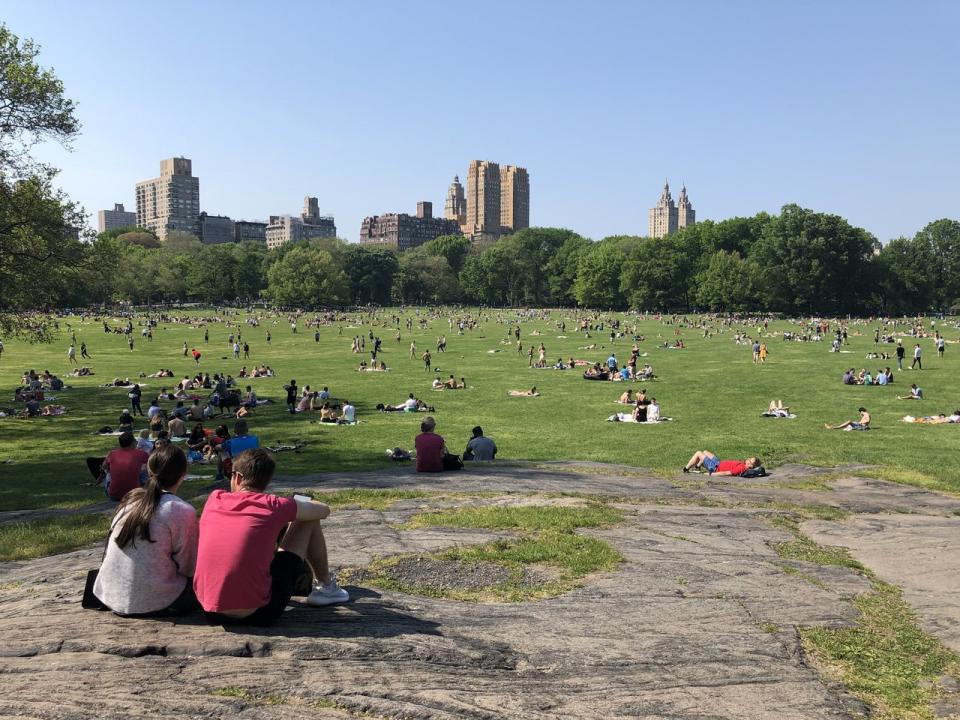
483	448
145	577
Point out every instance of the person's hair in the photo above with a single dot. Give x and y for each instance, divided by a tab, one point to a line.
428	424
256	467
222	432
144	433
477	431
165	467
863	409
240	427
125	439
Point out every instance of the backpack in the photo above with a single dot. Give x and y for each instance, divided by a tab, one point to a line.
754	472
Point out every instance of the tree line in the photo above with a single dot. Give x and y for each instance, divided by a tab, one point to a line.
795	262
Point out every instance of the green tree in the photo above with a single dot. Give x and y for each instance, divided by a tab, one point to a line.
425	279
813	262
598	275
729	283
180	242
561	270
371	271
307	276
658	272
452	248
39	251
140	237
941	242
485	278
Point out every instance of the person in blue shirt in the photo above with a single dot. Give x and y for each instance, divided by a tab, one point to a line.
612	362
232	447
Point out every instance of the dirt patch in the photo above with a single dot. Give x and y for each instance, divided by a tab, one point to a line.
439	575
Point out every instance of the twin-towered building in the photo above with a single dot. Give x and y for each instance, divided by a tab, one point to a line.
497	200
668	217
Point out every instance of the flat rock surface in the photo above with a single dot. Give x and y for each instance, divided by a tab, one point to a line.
698	622
919	553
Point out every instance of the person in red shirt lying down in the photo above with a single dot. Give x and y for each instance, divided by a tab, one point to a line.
716	466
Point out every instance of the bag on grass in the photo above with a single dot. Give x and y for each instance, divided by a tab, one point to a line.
452	462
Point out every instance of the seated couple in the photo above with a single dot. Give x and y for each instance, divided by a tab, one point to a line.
160	561
411	404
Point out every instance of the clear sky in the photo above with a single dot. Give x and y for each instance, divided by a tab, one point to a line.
850	107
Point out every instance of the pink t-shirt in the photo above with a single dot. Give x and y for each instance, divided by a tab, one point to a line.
238	538
429	452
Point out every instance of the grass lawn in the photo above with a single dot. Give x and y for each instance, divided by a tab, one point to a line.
712	390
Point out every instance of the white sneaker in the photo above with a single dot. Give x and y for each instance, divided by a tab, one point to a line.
329	594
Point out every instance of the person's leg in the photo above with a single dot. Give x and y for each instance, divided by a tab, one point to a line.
841	426
696	460
306	540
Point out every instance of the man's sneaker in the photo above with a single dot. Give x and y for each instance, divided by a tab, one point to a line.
329	594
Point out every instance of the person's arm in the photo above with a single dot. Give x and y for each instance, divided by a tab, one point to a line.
308	510
185	536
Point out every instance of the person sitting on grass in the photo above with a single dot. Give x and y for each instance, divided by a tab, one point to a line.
450	383
915	393
532	392
863	423
716	466
430	447
626	398
328	414
243	577
124	467
480	448
232	447
148	565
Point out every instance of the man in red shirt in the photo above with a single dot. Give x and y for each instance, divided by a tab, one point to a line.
716	466
430	447
126	468
241	576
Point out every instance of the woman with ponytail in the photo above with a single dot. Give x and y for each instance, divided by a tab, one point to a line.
152	550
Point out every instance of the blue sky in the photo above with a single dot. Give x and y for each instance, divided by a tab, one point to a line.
844	107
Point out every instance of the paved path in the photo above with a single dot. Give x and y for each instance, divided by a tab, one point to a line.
699	622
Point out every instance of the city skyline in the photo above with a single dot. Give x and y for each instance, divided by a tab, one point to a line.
855	128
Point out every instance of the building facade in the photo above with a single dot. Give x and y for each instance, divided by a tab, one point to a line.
116	218
249	230
455	207
514	199
483	199
402	231
171	201
283	229
215	229
666	217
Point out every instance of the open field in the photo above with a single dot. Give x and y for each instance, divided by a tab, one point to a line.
712	390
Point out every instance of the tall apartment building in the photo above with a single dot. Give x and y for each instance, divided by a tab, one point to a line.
455	207
215	229
171	201
249	230
666	218
402	231
116	218
514	198
283	229
483	199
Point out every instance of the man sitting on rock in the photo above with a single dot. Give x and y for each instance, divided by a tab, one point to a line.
242	577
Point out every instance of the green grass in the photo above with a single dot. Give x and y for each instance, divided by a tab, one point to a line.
886	659
232	691
546	537
36	538
368	499
41	460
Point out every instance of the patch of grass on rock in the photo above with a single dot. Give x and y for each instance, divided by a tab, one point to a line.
886	659
366	498
545	559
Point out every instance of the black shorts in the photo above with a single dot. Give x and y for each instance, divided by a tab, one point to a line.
287	571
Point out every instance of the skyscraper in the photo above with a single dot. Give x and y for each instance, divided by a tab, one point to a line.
116	218
665	217
171	201
686	215
403	231
514	198
483	199
455	208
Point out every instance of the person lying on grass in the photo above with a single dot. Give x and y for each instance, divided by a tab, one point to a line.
776	408
863	423
940	419
242	576
716	466
148	565
532	392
